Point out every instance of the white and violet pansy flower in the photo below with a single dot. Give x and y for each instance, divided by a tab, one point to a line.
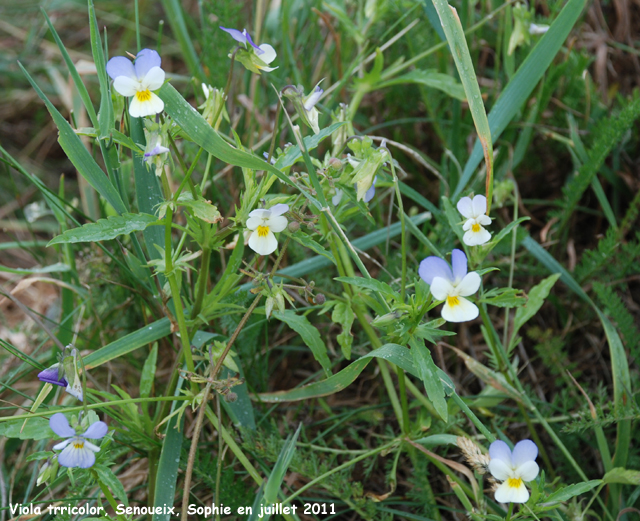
514	469
138	80
265	52
264	224
77	451
474	211
452	285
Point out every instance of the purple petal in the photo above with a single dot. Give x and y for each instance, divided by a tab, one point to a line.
370	193
524	451
50	376
500	450
432	267
120	66
236	35
60	425
146	60
96	430
278	209
459	264
257	49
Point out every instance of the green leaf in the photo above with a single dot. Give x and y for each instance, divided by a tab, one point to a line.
53	268
623	476
78	154
274	483
35	429
504	297
109	479
201	208
106	229
537	295
370	284
428	372
343	314
131	342
293	154
429	78
309	334
523	82
501	235
148	372
566	493
308	242
393	353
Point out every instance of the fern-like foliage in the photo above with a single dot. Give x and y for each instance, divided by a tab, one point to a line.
593	260
617	310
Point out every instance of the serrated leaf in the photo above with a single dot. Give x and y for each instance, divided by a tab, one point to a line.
308	242
200	207
429	78
370	284
343	314
504	297
309	334
109	479
623	476
428	372
567	493
106	229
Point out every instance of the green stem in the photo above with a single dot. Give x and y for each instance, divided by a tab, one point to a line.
474	419
508	518
110	499
403	400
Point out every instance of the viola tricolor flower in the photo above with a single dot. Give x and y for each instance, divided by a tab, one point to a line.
263	224
452	285
264	52
53	376
514	469
138	79
76	450
474	211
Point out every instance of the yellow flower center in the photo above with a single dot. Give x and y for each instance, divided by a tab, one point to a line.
143	95
514	482
263	231
475	228
78	444
453	301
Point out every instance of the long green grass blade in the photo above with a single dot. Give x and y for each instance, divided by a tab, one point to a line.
523	82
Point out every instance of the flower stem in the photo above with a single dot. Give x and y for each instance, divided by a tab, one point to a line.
508	518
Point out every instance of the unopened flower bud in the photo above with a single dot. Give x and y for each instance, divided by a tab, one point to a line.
294	226
335	163
230	397
320	299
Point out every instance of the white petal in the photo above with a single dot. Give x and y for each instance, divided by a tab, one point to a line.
154	79
260	212
461	311
484	220
337	198
72	457
468	224
126	86
465	207
263	245
441	288
479	204
268	53
472	238
91	446
528	471
254	221
500	469
278	223
468	285
62	444
140	109
508	494
278	209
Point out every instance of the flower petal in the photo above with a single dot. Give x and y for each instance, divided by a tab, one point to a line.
50	376
500	469
461	311
250	41
91	446
441	288
261	213
119	66
479	204
96	430
337	198
508	494
60	425
459	265
146	60
238	36
278	209
278	223
268	53
154	79
370	193
528	471
254	222
126	86
472	238
484	220
75	389
468	285
77	457
312	98
140	109
524	451
263	245
434	267
465	207
500	450
62	444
